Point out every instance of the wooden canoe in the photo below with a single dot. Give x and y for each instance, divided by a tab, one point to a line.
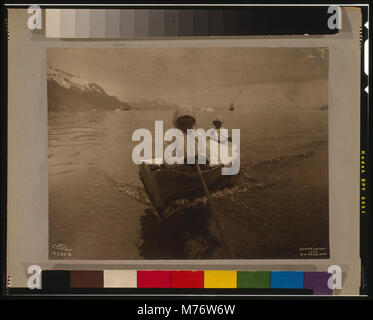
166	184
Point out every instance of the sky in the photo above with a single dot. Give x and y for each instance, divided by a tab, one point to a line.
202	77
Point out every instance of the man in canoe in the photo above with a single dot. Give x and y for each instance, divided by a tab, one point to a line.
218	135
184	119
191	144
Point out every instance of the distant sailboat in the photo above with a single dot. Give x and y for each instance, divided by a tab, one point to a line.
231	107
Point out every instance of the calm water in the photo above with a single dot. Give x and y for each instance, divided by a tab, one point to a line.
103	140
96	201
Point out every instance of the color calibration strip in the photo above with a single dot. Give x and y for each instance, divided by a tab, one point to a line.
317	281
148	23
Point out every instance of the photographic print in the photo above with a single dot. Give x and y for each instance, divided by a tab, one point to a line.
188	153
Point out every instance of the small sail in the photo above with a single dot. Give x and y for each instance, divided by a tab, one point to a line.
231	107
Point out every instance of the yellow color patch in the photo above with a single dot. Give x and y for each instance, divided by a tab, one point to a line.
220	279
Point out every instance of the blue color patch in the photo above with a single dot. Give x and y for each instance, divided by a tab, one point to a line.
287	279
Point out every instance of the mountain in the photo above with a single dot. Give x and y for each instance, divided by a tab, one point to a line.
156	104
68	92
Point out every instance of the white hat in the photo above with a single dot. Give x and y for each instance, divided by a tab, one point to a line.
182	111
219	119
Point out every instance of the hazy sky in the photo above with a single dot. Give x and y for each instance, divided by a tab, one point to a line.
196	76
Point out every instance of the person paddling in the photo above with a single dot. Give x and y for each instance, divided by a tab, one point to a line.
184	119
217	134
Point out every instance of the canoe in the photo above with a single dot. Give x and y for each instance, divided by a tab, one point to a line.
166	184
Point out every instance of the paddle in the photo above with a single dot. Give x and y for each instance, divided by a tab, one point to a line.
213	210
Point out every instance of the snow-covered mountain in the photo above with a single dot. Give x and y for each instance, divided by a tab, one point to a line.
68	92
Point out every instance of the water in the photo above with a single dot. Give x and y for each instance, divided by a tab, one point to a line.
99	210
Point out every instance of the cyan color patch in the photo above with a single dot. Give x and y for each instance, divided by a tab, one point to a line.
287	279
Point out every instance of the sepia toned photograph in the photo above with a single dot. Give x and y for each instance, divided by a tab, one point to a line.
188	153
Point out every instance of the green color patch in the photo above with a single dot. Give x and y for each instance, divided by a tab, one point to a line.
253	279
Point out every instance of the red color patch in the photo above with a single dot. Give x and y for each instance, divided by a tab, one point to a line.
153	279
186	279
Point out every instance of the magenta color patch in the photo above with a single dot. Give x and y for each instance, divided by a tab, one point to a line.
153	279
318	282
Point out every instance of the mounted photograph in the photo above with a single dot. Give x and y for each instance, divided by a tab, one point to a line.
189	153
